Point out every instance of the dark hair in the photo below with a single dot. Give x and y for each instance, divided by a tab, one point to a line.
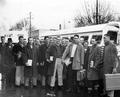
9	39
29	38
71	39
94	39
66	38
76	35
2	37
20	37
85	42
108	35
24	39
46	37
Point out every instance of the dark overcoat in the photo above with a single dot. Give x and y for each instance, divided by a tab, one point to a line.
52	51
16	49
31	53
110	56
86	58
92	73
42	59
10	57
3	55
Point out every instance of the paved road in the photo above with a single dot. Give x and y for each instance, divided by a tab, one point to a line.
40	92
36	92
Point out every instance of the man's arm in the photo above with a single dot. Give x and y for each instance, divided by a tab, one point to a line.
67	50
82	55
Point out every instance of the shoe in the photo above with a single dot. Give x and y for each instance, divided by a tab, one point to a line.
78	90
69	90
43	87
17	86
60	87
90	91
26	87
51	93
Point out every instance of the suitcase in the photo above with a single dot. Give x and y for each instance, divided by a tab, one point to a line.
112	81
81	75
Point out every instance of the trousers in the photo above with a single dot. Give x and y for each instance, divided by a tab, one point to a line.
58	69
19	75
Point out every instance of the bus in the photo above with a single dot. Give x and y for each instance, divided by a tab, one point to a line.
89	32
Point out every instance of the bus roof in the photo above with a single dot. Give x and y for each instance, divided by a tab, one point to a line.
80	30
92	28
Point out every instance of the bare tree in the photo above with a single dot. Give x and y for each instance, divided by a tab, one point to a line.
22	24
101	10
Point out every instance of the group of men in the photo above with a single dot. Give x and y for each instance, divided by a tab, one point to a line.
48	59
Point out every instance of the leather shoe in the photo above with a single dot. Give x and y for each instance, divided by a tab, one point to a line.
69	90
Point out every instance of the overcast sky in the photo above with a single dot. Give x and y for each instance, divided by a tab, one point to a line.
45	13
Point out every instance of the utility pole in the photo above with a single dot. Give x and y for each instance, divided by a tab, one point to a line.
97	21
60	27
64	25
30	25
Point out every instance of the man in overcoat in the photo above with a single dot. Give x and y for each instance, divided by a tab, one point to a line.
110	57
31	55
43	64
3	65
18	52
54	55
10	63
92	72
77	61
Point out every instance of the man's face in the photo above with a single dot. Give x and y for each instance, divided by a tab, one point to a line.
86	44
58	41
106	39
42	41
63	42
66	41
21	40
37	41
47	40
81	40
3	40
25	42
30	41
51	41
9	42
76	39
93	41
54	40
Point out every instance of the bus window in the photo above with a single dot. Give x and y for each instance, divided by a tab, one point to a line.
85	38
98	38
113	36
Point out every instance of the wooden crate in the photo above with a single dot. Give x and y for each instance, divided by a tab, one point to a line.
112	81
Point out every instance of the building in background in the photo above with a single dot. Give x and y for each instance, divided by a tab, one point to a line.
14	35
37	33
